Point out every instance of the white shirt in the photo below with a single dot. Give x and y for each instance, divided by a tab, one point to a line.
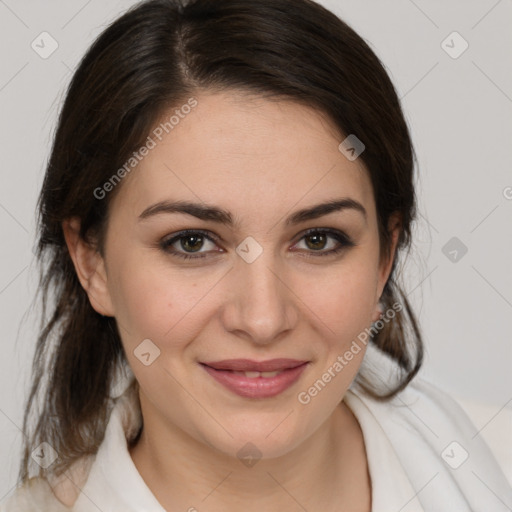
424	455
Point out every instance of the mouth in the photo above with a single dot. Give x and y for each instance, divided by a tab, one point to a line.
253	379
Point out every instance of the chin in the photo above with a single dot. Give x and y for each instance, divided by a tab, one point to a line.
259	436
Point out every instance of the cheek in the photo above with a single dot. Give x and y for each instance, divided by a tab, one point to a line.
147	302
154	300
343	299
343	306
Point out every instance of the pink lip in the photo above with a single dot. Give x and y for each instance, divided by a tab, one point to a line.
248	365
224	372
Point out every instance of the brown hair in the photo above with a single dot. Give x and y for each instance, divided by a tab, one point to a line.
150	59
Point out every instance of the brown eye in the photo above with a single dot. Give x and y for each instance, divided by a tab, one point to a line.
188	242
316	241
325	242
191	242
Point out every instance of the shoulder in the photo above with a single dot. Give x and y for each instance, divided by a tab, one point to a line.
426	412
421	406
35	495
421	415
59	493
436	407
436	442
56	494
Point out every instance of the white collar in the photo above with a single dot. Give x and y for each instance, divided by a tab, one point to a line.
391	488
114	482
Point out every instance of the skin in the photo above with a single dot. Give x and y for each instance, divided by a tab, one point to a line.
261	160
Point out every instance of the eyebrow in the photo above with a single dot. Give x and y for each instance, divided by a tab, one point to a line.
221	216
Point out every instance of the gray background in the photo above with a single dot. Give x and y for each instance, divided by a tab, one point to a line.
459	110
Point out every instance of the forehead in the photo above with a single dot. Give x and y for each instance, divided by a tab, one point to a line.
244	152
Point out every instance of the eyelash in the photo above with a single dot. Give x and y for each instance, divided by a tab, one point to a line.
166	244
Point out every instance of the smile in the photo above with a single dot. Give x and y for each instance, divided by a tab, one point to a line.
252	379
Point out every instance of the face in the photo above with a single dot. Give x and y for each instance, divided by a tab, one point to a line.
249	279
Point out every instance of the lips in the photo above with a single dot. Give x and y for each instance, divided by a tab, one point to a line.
256	379
247	365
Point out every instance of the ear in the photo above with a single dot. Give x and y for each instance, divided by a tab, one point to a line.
386	263
89	266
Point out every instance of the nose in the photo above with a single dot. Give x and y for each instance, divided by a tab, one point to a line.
261	305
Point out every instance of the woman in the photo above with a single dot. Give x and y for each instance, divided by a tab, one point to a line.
229	190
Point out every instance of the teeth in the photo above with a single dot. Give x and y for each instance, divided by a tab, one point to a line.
270	374
254	375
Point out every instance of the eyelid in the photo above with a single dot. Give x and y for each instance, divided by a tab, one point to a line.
344	241
328	231
174	237
167	242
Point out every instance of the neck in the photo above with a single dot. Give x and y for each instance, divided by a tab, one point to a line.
326	472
